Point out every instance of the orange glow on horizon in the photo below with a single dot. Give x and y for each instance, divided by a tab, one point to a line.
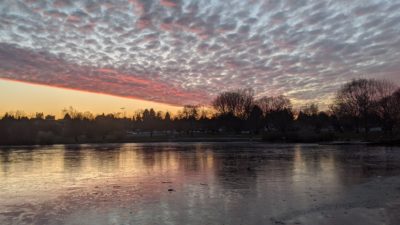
84	91
35	97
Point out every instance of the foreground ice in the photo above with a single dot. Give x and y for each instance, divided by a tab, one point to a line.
201	184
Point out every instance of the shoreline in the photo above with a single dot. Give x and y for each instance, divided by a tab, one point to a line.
213	140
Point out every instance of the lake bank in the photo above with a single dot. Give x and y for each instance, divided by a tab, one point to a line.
221	139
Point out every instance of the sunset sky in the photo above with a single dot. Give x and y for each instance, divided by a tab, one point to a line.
32	98
166	53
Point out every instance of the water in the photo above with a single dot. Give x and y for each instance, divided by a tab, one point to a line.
200	183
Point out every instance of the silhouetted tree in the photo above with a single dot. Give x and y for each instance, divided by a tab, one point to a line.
272	106
149	120
268	104
395	109
189	112
255	119
360	100
236	103
309	115
104	125
167	122
73	126
188	118
282	120
388	108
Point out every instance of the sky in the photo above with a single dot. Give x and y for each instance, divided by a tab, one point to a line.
31	98
177	52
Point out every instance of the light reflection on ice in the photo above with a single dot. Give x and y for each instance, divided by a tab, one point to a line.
194	183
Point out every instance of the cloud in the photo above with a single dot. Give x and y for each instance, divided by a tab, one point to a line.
194	49
43	68
170	3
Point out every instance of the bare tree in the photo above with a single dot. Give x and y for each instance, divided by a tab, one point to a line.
269	104
360	99
237	103
190	112
396	107
276	110
388	110
310	110
188	118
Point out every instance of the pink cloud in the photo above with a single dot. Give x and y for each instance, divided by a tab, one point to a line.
139	6
169	3
45	69
143	23
73	19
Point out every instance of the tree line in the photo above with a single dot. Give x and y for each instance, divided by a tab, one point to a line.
367	109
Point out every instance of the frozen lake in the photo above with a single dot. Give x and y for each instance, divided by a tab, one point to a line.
199	183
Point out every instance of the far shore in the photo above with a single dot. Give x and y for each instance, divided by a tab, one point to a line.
218	139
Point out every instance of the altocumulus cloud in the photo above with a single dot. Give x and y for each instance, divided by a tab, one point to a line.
186	51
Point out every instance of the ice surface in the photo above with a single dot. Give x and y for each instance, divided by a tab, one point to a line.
200	183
